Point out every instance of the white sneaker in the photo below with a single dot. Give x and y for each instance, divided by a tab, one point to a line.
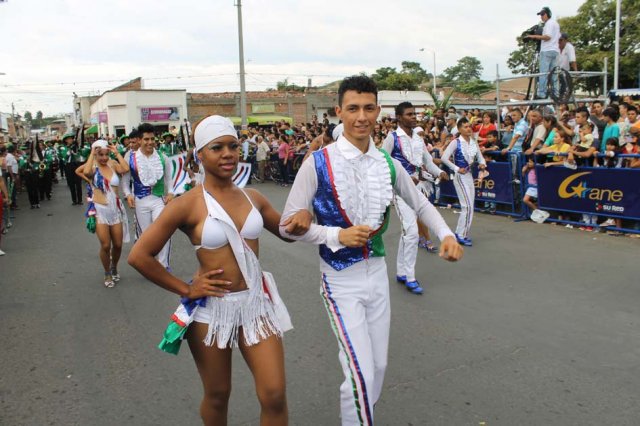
2	253
608	222
568	225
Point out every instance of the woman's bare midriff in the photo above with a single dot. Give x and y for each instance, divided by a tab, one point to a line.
223	258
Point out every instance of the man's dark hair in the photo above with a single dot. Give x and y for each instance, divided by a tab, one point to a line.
453	108
583	110
359	83
146	128
611	113
134	134
518	111
596	102
493	133
632	108
462	121
402	106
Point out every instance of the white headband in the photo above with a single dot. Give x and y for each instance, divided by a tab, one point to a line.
100	143
212	128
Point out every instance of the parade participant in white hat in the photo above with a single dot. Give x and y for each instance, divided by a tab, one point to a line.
231	302
112	226
151	175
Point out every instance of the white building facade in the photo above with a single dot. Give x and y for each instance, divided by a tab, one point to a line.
118	112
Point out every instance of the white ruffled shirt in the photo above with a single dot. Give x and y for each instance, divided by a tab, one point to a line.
150	169
470	152
412	147
364	189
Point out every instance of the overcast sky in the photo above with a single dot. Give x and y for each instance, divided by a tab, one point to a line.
52	48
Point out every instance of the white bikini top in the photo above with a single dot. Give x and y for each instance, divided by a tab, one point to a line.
213	235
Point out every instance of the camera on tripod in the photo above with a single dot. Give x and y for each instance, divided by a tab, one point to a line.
534	30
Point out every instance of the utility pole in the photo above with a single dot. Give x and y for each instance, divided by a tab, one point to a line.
243	92
616	55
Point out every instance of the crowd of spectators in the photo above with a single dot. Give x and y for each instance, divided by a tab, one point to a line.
587	135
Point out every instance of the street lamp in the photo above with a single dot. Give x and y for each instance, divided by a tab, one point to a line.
434	66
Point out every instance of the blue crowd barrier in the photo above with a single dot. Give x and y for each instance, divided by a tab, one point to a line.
502	186
594	191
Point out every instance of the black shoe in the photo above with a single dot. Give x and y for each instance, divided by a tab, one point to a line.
33	206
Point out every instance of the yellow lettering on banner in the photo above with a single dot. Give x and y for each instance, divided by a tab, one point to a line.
608	195
616	195
484	184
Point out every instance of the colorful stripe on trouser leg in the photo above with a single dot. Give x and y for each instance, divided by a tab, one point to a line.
357	379
467	219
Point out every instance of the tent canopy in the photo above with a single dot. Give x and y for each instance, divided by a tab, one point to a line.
624	92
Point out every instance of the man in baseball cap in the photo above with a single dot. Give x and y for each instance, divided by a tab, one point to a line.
549	50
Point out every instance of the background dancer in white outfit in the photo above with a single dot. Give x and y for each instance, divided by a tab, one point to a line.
407	146
350	184
465	153
151	175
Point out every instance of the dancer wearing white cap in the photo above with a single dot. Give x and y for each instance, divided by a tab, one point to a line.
112	226
231	302
151	175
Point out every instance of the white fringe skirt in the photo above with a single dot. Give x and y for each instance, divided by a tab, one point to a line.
255	312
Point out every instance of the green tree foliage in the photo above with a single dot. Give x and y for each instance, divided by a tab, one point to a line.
475	87
592	33
444	103
409	77
285	86
467	69
28	116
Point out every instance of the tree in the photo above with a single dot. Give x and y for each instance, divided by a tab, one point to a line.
592	32
39	115
409	78
444	103
467	69
27	116
475	87
285	86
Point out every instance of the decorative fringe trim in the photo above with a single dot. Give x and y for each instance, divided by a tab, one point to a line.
251	310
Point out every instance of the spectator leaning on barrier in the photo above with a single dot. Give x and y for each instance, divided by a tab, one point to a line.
567	58
519	132
561	145
506	131
632	119
537	132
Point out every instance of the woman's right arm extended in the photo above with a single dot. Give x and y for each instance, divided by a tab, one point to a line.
175	215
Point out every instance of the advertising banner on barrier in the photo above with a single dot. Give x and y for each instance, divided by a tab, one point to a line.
612	192
495	188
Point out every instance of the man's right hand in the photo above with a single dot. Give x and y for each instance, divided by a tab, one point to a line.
355	236
131	201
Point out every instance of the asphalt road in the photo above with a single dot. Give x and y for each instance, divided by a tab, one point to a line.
538	325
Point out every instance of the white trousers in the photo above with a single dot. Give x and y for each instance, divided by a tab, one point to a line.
147	210
357	301
466	196
408	245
